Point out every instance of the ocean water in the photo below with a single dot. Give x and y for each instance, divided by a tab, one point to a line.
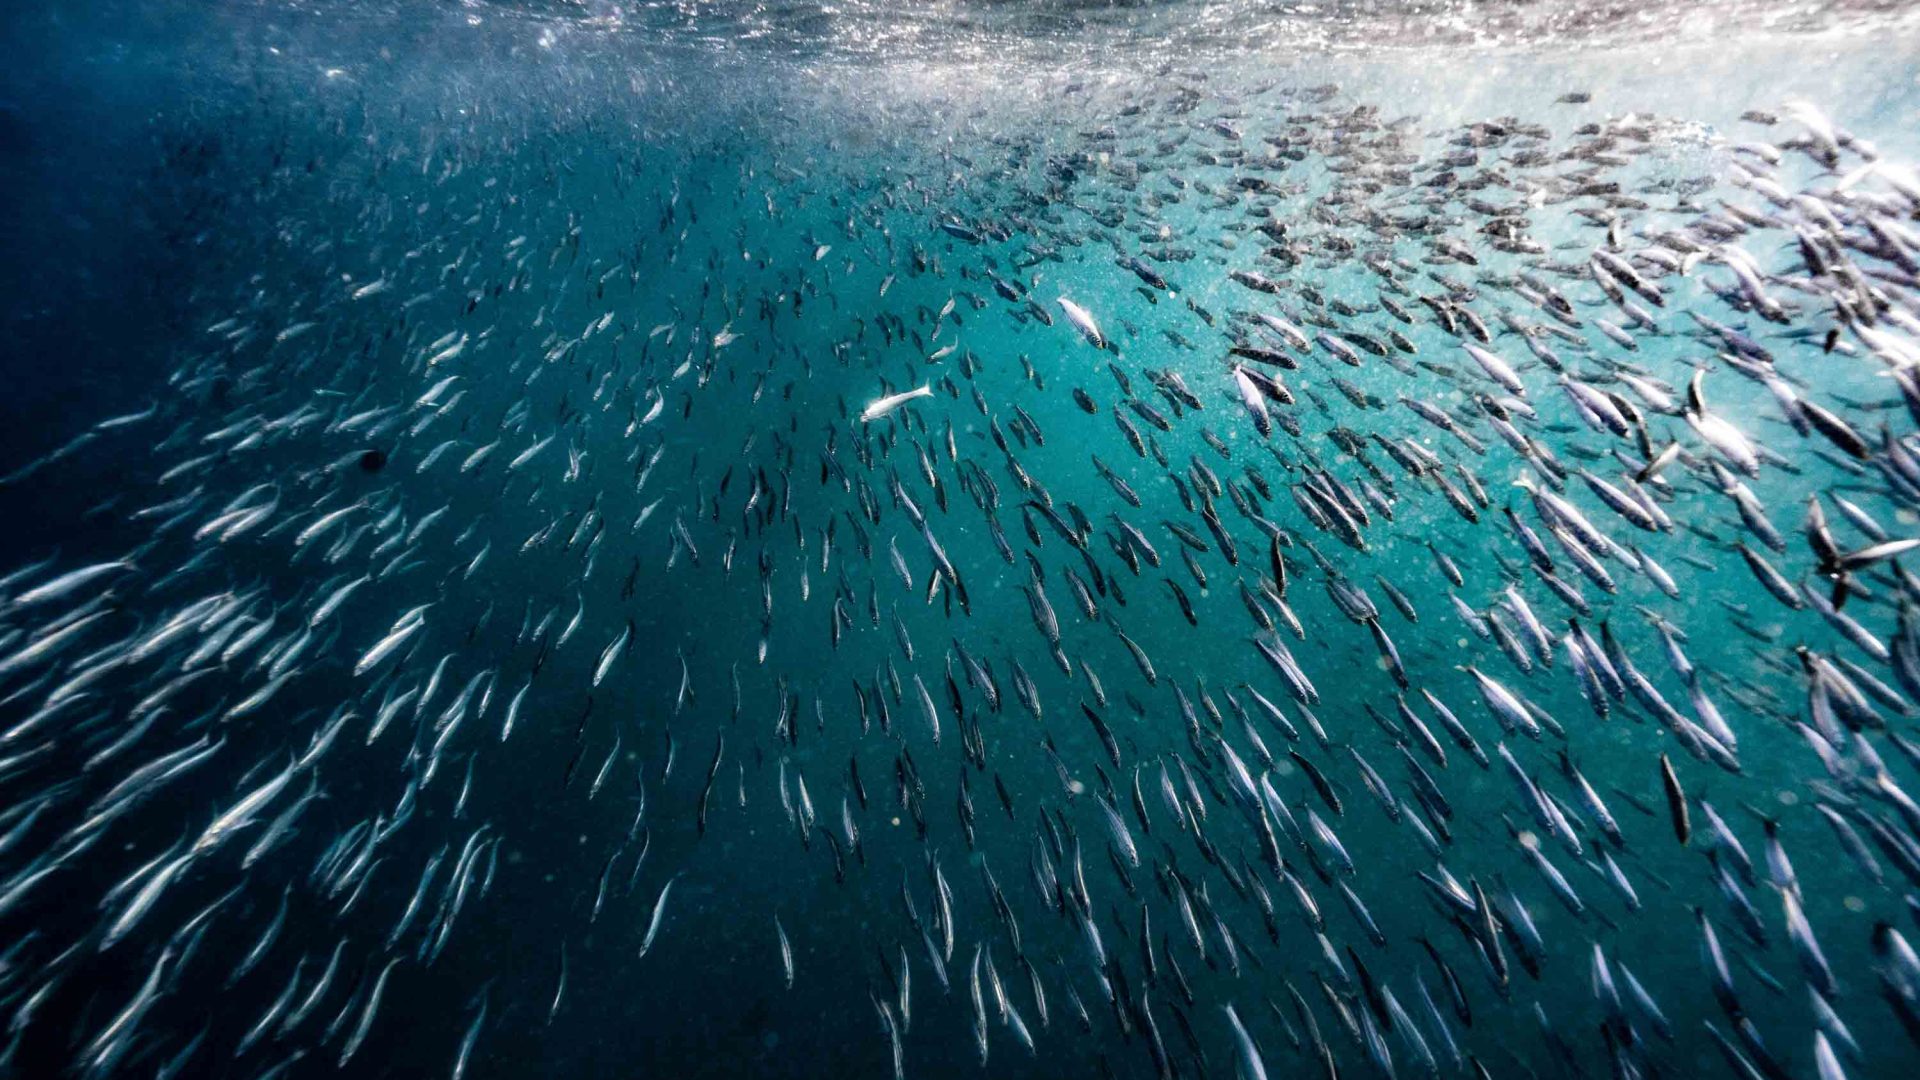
451	623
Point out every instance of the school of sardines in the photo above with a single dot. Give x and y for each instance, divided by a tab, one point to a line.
1555	709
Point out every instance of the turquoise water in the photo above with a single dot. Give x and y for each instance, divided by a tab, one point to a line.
513	361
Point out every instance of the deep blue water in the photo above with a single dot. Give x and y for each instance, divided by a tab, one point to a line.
282	229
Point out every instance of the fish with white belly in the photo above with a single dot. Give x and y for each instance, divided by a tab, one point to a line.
882	406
